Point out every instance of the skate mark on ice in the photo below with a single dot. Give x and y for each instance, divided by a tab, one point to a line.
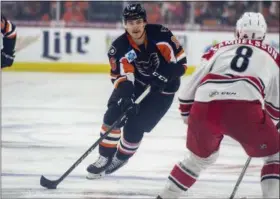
123	177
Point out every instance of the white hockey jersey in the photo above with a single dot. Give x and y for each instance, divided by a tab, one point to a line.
236	70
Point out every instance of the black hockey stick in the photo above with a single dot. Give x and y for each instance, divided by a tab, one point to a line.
240	178
52	184
244	170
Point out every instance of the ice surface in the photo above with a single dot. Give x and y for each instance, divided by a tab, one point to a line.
49	120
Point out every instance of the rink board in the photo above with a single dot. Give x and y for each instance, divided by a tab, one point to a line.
84	50
68	67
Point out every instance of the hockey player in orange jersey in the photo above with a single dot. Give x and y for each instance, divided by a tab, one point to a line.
234	92
145	54
8	30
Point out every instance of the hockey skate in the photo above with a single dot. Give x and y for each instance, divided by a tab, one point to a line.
97	169
115	165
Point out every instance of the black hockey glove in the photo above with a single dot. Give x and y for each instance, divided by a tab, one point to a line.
125	93
125	100
165	74
7	59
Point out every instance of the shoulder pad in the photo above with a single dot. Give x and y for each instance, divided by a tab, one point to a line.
118	45
157	28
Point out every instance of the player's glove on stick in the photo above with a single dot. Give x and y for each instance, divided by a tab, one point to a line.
125	100
165	74
7	59
125	93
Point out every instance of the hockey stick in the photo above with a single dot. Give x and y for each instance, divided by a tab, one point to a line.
52	184
240	178
244	170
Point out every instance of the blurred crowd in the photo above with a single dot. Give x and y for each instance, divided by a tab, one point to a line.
210	13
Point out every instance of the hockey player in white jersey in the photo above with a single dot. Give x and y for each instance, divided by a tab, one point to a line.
234	92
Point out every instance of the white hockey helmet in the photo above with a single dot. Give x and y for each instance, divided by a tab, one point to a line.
251	25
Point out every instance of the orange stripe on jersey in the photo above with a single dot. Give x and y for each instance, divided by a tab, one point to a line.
108	145
165	51
127	67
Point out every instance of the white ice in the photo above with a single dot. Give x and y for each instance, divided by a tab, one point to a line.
49	120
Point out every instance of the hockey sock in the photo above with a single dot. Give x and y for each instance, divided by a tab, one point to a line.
108	146
270	177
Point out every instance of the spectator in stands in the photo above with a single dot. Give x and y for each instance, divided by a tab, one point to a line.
73	12
50	11
200	9
10	9
271	12
31	11
206	12
153	10
173	12
229	15
274	12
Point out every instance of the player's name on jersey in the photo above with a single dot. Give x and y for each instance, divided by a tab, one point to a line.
274	54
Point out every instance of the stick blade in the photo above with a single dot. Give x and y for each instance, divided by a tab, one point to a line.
49	184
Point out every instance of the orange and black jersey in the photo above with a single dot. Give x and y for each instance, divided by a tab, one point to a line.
130	62
8	30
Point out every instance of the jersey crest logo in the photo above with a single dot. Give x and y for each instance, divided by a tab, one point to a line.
146	68
131	56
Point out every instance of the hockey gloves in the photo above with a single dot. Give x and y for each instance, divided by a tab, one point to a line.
125	93
125	100
164	74
7	59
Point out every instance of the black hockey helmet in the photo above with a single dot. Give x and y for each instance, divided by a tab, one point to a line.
134	11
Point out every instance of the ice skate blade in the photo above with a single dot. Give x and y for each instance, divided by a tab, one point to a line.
93	176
